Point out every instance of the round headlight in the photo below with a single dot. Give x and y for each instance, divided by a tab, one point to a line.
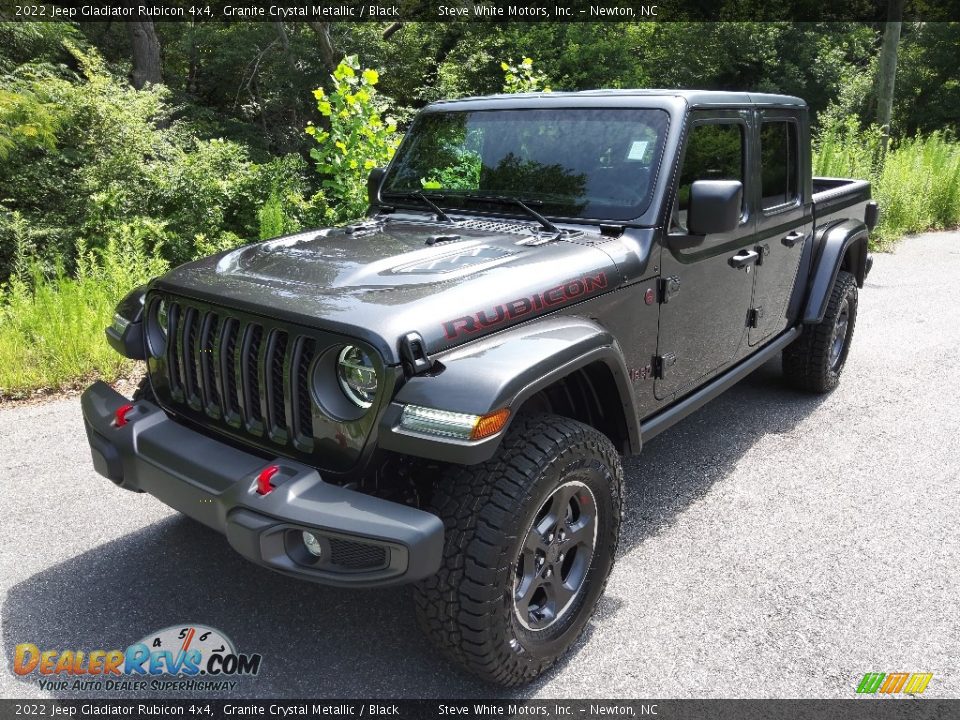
157	326
162	318
357	375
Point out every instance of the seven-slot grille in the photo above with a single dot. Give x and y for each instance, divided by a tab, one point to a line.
241	372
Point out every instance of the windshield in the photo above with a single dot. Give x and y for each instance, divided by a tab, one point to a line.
579	163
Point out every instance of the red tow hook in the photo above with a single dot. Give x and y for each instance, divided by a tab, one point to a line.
263	479
120	417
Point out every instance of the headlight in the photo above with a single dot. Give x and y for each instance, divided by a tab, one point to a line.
158	326
357	375
460	426
162	317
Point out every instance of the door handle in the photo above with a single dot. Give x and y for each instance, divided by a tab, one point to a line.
793	238
744	259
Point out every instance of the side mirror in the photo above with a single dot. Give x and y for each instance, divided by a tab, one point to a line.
714	206
373	185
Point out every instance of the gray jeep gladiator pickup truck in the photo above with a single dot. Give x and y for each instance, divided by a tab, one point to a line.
440	394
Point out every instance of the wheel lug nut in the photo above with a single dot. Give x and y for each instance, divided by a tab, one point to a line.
549	572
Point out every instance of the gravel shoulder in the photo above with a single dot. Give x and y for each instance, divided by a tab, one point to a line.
775	544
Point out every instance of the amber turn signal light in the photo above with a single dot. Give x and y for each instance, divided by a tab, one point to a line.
490	424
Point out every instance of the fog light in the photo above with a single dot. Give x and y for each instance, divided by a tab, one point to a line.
445	423
312	543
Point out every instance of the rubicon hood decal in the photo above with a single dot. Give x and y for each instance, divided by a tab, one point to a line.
571	291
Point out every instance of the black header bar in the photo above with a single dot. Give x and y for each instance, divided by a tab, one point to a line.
491	11
863	709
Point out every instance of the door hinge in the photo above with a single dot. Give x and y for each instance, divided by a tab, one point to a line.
667	288
762	251
754	316
662	363
413	354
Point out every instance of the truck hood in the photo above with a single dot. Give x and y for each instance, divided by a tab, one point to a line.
379	281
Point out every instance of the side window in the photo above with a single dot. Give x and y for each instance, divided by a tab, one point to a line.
714	152
779	167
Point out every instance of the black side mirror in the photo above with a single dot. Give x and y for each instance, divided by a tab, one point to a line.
373	185
714	206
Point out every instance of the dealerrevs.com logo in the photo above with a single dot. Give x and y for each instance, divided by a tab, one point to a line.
180	657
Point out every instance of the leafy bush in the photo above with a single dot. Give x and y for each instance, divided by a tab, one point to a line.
83	156
522	78
358	139
917	183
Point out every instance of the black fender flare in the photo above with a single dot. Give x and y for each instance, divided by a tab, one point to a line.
843	246
125	333
504	370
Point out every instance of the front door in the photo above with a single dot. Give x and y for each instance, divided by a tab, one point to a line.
707	281
784	222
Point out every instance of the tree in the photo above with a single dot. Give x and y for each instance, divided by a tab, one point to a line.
358	139
329	53
887	67
146	53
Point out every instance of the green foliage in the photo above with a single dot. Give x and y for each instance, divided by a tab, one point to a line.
272	220
357	140
927	95
51	325
85	155
26	122
38	43
522	78
917	183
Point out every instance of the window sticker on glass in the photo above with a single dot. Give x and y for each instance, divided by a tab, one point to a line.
638	149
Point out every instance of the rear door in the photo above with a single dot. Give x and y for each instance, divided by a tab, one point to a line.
784	220
705	294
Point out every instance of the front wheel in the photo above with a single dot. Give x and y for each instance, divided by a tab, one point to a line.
530	540
814	361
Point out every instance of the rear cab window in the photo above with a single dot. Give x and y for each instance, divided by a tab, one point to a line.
779	165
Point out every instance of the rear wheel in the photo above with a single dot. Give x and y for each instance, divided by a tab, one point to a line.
814	361
530	539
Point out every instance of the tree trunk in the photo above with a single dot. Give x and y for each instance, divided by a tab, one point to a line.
146	53
329	54
391	29
887	68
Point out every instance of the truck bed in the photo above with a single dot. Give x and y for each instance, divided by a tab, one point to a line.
839	199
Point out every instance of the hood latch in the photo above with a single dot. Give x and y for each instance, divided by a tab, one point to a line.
414	354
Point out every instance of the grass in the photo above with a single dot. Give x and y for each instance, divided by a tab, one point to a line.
51	325
917	184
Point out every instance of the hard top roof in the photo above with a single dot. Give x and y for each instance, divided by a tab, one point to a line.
692	97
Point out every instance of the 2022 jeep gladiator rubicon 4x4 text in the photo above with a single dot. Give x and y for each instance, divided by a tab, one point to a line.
440	394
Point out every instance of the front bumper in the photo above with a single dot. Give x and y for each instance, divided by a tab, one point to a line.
365	541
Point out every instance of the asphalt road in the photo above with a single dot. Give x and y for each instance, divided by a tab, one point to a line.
775	544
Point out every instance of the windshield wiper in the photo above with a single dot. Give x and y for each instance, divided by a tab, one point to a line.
419	195
517	202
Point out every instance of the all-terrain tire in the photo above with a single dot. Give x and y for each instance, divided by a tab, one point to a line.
813	362
490	513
